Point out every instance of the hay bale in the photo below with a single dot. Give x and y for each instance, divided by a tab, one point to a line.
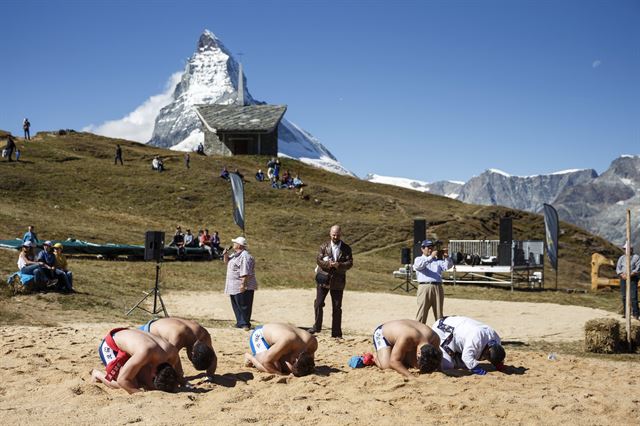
601	335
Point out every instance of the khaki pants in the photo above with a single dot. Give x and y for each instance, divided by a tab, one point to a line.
430	296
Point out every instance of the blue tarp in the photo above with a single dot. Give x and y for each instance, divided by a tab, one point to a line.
73	246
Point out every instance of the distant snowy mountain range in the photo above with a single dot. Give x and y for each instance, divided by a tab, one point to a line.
595	202
211	76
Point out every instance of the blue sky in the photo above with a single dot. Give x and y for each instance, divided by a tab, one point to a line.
428	90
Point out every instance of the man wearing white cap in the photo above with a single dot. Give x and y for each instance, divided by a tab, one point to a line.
241	281
621	270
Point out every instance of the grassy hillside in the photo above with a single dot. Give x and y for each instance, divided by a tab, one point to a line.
68	186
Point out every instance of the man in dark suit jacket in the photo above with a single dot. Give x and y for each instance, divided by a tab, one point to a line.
334	259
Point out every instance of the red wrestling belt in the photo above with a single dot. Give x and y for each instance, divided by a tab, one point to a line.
113	368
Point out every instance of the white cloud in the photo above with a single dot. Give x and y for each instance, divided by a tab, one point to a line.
138	124
596	63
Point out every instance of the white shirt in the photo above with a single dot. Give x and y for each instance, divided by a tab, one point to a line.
22	261
621	266
240	265
429	269
470	337
335	250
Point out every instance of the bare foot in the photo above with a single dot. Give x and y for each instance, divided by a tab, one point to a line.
247	361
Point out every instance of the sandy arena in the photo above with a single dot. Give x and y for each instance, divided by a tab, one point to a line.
44	372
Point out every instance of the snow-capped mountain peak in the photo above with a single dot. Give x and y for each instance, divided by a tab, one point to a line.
211	77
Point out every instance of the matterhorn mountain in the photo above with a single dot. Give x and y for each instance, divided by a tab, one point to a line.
211	76
596	203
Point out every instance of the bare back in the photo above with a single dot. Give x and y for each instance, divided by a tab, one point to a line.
409	331
179	332
404	337
286	342
147	352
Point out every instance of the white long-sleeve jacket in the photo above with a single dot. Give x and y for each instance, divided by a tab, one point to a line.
470	337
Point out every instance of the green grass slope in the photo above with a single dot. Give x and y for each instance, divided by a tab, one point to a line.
68	186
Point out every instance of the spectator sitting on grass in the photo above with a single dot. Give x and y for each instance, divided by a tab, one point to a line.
285	177
236	171
178	241
28	266
260	176
215	243
297	182
204	241
189	239
224	174
61	265
47	261
157	164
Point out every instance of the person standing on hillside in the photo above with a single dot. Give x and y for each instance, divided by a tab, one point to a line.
621	270
10	147
118	155
429	268
241	281
334	259
31	236
26	125
187	160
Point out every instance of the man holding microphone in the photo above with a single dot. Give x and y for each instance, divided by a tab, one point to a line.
241	281
429	268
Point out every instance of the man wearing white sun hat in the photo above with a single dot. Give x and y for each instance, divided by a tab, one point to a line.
241	281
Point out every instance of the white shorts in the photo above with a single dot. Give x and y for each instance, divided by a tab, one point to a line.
379	341
257	342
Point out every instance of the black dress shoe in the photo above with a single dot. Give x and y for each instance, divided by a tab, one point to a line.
312	330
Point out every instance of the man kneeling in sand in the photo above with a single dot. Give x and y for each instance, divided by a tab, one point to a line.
183	333
282	349
404	344
137	361
466	341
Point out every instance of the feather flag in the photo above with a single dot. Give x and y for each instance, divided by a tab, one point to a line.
237	198
552	228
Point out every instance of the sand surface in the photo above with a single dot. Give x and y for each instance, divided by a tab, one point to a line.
44	373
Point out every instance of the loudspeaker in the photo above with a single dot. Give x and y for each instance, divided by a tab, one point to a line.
153	245
506	230
419	235
504	254
405	256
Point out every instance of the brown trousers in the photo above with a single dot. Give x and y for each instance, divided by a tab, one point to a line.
430	296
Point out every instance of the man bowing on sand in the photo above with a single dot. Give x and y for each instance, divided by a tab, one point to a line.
184	333
282	349
404	344
137	361
465	342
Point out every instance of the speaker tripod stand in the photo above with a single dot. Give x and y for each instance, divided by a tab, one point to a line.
158	303
407	285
